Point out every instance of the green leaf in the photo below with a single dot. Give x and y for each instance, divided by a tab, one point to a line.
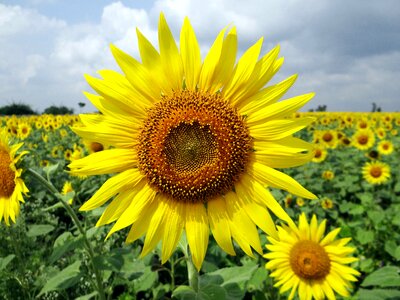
365	236
376	216
88	296
237	275
4	261
385	277
64	243
378	294
64	279
146	281
258	280
37	230
50	169
390	247
184	292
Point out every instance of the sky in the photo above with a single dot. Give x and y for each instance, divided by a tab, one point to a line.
347	52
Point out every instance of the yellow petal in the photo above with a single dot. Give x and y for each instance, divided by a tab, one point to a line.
243	71
174	222
197	232
170	58
112	186
137	75
279	129
266	96
141	202
105	162
190	52
278	110
274	178
219	224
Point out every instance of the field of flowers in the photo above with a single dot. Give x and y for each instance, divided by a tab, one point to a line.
45	255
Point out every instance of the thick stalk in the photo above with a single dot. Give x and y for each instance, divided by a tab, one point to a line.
75	219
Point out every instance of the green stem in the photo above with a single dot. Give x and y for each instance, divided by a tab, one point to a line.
75	219
193	275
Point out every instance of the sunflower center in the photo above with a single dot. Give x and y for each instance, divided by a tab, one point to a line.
190	147
7	175
317	153
327	137
309	260
96	147
362	139
193	146
376	172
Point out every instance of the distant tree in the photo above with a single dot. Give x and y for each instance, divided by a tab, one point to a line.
58	110
319	108
81	104
375	108
17	109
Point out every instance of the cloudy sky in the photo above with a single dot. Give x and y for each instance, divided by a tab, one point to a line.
348	52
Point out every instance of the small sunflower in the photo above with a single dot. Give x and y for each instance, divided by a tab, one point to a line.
326	203
302	260
195	144
376	172
363	139
24	130
320	154
385	147
329	138
67	188
328	175
11	184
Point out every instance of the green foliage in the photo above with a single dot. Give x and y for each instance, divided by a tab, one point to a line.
58	110
17	109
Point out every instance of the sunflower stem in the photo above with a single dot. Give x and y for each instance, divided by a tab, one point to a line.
74	217
193	274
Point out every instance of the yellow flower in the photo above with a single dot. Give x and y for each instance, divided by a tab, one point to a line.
24	130
328	175
385	147
326	203
329	138
376	172
288	200
320	154
363	139
67	188
300	201
303	260
194	143
11	184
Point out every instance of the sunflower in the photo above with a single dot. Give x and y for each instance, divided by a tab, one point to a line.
320	154
11	185
195	144
328	175
329	138
376	172
385	147
302	260
24	130
363	139
326	203
67	188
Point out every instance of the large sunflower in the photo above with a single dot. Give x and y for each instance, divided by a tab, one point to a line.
303	260
194	143
11	185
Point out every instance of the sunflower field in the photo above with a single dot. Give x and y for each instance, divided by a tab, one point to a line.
50	253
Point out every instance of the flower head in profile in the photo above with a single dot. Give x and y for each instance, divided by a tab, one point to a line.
376	172
12	187
305	261
194	143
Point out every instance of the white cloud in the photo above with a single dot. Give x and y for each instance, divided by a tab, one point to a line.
330	44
